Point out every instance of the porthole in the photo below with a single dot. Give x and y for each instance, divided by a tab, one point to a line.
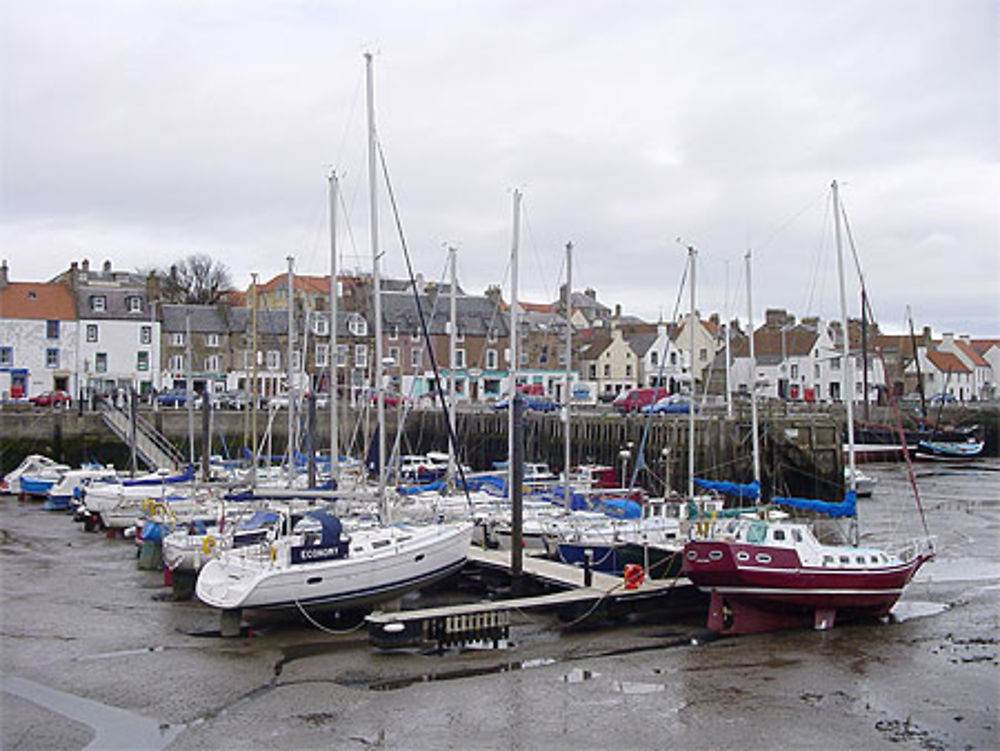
743	556
762	558
692	554
419	558
715	555
314	580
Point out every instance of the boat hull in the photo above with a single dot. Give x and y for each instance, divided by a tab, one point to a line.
770	588
237	581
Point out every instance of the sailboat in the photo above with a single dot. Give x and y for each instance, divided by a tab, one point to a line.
765	573
314	560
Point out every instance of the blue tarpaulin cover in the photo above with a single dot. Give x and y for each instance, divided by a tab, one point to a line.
749	490
833	509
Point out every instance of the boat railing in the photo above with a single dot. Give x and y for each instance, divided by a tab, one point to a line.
916	547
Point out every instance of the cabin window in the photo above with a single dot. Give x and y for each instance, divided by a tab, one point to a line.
778	534
757	532
796	535
860	559
827	560
376	544
874	559
845	559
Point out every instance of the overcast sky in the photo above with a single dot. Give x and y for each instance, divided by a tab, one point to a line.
142	132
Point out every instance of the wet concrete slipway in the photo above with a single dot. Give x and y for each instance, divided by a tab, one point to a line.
96	655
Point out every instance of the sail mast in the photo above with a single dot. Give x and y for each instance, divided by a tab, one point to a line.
567	396
512	386
753	374
847	367
692	256
376	285
452	360
289	373
332	360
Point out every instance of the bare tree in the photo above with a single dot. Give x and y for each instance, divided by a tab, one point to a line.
195	280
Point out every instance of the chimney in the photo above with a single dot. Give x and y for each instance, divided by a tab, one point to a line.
591	293
928	337
107	267
618	310
85	265
4	278
948	341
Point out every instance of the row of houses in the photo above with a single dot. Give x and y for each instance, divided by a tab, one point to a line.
95	331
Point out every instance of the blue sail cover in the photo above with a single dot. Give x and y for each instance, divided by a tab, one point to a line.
835	510
750	490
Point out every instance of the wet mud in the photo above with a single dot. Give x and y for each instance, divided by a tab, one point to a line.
95	654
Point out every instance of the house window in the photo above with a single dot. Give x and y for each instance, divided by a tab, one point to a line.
101	362
795	371
394	333
654	358
835	363
91	332
394	355
52	357
296	360
321	325
211	340
341	355
673	358
142	360
415	336
703	354
816	370
177	339
322	355
459	334
175	363
98	302
357	325
52	329
6	355
273	359
607	371
491	359
212	364
134	304
459	358
592	371
416	357
491	336
628	370
360	356
146	335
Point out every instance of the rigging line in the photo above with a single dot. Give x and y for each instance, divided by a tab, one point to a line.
661	372
423	321
350	116
782	226
817	260
350	230
542	276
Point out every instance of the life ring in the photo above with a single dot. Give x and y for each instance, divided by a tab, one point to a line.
208	545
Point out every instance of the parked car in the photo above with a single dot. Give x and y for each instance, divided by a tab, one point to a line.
51	399
607	397
634	400
391	399
673	404
536	403
938	399
174	398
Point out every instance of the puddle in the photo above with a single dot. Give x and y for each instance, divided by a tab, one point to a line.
958	570
120	653
110	725
910	609
636	687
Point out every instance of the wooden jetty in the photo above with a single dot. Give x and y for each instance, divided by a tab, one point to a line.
491	620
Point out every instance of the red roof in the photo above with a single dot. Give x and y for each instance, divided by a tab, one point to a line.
39	301
970	351
946	362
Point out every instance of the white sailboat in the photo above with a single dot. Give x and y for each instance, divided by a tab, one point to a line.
314	562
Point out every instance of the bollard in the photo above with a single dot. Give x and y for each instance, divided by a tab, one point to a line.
588	575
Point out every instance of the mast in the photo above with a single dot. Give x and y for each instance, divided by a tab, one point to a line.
253	380
512	387
334	374
753	375
864	349
847	369
729	358
189	380
289	371
567	394
452	360
376	285
916	361
692	256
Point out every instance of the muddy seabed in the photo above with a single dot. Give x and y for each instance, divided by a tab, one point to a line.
95	654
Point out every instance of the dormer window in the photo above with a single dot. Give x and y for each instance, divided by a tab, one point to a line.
98	303
134	304
321	325
357	325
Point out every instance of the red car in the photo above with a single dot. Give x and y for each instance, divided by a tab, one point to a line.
51	398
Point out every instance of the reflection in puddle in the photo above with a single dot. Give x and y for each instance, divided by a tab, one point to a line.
579	675
909	609
635	687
